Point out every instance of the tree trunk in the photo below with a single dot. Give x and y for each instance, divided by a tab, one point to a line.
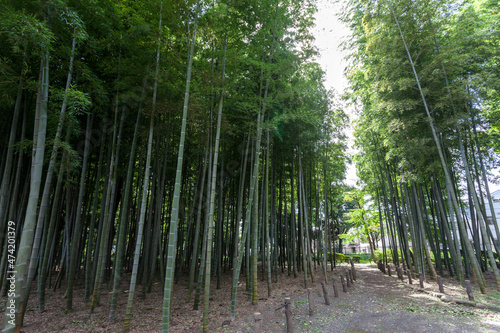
123	221
25	245
468	247
212	203
174	218
76	233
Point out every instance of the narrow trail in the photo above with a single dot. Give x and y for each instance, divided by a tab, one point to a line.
376	303
379	303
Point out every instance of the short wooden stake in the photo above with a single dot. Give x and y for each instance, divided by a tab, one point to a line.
400	273
440	283
325	293
468	288
421	279
342	280
257	317
389	270
381	266
311	301
353	270
408	272
335	290
288	314
348	280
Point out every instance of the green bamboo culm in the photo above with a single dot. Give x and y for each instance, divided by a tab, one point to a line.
174	219
24	252
461	225
135	267
142	216
208	259
253	182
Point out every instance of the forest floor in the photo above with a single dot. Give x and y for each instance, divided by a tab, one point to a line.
376	303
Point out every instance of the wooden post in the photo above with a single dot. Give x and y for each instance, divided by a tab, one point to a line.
344	287
311	301
468	288
408	272
353	270
421	279
348	280
335	290
325	293
288	313
257	317
400	273
381	266
389	270
440	283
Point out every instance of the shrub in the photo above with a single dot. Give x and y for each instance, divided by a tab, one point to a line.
338	256
362	256
379	254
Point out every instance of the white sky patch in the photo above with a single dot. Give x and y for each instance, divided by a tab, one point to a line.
330	32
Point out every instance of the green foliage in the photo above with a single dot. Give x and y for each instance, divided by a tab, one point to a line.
380	255
114	71
363	257
338	256
363	219
78	102
24	31
391	125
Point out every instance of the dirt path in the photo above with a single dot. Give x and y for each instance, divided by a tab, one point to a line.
379	303
376	303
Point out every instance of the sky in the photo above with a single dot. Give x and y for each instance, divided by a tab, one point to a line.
329	33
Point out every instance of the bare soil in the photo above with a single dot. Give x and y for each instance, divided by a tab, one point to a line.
375	303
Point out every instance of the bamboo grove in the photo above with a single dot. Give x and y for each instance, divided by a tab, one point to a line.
162	140
424	80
